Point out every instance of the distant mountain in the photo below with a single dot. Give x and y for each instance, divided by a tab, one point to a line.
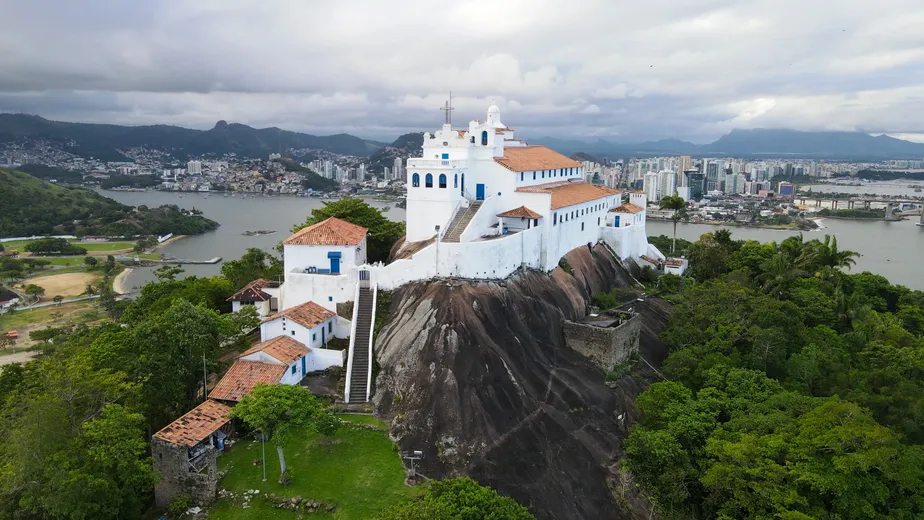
408	145
104	141
755	143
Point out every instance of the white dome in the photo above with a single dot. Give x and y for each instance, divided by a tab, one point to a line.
494	116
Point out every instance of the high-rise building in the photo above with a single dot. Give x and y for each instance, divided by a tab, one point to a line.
685	163
651	186
398	169
194	167
712	176
695	181
667	183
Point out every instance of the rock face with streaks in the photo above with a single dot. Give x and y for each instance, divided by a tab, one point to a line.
478	377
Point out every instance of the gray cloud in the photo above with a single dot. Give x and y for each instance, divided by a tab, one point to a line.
587	68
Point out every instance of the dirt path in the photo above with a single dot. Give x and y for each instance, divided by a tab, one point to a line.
18	357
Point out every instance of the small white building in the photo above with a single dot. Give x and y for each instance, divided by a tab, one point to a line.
308	323
329	247
261	293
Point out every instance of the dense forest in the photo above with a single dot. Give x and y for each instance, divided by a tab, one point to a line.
35	207
795	389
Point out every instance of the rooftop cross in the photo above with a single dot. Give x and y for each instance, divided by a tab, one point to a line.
448	109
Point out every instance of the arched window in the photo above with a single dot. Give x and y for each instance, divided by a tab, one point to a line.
462	186
415	180
429	179
484	138
442	180
455	181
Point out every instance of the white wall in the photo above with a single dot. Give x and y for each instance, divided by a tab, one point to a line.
263	308
483	220
325	290
323	358
564	229
299	257
282	326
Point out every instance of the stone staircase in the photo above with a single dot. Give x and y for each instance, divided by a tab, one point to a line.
359	371
460	222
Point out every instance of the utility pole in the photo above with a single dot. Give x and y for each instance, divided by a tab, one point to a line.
205	379
437	266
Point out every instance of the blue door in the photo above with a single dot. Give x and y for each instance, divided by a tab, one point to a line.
304	370
462	192
334	262
479	192
616	224
323	342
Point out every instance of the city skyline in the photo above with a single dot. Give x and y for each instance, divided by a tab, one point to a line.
629	72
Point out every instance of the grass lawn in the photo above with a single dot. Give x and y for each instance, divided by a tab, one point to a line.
363	419
78	312
359	470
105	246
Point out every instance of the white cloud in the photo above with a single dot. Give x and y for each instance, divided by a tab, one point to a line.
633	69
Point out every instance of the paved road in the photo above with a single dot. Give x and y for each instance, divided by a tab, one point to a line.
49	304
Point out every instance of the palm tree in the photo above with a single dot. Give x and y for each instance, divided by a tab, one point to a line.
819	255
778	272
676	203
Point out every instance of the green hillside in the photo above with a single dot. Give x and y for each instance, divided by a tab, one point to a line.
30	206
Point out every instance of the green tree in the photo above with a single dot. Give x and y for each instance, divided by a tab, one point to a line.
254	264
459	498
34	291
168	272
383	233
57	299
674	203
90	261
282	413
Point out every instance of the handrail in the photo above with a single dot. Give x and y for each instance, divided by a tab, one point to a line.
346	390
375	296
452	216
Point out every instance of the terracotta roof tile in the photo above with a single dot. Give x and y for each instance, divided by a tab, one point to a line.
283	348
330	232
569	193
196	425
521	212
532	158
627	208
240	379
252	292
308	315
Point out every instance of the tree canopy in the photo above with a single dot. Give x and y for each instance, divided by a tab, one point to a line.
795	390
459	499
383	232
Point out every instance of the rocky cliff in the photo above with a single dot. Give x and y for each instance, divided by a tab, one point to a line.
477	376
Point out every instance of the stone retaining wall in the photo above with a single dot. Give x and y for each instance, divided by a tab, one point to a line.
605	346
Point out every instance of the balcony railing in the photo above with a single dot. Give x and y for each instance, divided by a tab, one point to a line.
435	163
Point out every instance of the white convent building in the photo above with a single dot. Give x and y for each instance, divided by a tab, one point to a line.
480	204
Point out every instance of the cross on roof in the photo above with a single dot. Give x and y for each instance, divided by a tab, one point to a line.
448	109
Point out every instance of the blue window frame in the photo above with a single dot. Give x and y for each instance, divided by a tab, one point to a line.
455	181
554	219
442	180
521	176
415	180
534	175
484	138
314	336
294	368
429	180
445	156
543	174
330	327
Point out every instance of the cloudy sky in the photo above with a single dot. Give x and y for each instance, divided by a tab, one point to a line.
626	70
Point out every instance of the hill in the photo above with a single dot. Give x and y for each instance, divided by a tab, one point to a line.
756	143
31	206
311	179
104	142
408	145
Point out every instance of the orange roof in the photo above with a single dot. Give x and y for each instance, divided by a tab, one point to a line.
521	212
283	348
569	193
252	292
331	232
627	208
532	158
308	315
196	425
240	379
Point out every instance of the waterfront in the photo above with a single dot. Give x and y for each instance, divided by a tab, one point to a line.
236	215
891	249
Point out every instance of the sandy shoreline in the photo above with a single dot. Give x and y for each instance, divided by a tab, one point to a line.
118	284
169	241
